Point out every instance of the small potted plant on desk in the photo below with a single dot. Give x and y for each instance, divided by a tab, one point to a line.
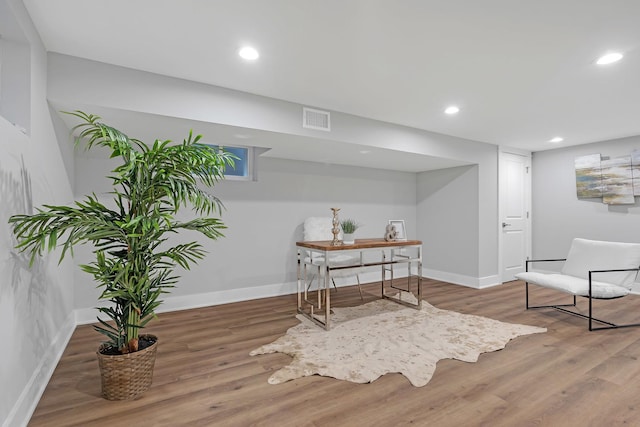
349	228
134	261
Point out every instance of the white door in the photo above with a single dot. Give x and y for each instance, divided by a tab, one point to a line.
515	241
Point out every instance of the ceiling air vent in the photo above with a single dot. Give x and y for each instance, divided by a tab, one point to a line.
316	119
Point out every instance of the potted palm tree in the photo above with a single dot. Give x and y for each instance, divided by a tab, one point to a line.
134	259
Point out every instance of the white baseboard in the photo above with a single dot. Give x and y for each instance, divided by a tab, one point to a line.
85	316
183	302
26	404
488	281
459	279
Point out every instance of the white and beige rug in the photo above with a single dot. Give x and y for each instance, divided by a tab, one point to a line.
368	341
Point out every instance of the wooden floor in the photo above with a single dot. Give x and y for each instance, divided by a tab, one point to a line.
204	375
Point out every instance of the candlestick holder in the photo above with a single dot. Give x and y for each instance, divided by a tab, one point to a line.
336	228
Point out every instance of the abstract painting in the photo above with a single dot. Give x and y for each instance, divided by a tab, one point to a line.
635	171
617	181
588	176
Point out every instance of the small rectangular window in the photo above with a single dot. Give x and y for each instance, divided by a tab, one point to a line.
243	164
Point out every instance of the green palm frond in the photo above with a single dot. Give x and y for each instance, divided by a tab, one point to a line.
133	266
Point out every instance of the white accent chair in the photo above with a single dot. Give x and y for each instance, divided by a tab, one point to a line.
593	269
319	228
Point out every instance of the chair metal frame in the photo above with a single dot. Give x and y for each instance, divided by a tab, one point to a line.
561	307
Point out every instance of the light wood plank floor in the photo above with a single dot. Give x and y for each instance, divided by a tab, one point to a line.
205	377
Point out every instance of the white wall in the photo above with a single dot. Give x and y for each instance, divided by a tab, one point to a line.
36	304
15	63
558	215
447	204
75	81
463	198
264	218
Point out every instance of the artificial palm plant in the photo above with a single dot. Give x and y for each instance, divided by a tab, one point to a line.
349	226
134	261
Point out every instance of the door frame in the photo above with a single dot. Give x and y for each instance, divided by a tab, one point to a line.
528	249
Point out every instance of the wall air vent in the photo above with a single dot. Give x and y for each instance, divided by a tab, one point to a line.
316	119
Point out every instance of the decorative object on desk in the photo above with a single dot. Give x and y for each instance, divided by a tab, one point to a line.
349	227
134	264
366	341
390	233
336	228
401	233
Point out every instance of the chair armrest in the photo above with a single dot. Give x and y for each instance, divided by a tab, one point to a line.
541	260
613	271
610	271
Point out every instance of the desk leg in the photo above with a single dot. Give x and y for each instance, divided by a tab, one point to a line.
410	262
327	298
309	308
383	274
386	268
298	275
420	276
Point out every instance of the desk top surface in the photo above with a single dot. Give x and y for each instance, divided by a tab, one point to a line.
325	245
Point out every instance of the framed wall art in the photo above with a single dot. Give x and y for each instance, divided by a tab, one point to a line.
400	229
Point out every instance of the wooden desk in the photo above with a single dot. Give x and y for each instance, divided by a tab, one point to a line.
310	268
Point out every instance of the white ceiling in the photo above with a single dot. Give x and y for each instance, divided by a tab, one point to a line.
521	71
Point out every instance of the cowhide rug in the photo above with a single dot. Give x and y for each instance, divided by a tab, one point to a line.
379	337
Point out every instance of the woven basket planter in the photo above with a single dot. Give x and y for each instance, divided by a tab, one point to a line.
126	376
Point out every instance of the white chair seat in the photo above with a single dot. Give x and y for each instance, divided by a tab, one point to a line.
574	285
612	267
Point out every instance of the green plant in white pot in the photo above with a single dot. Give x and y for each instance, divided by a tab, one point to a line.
134	260
349	227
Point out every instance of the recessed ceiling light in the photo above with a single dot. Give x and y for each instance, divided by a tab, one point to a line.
249	53
452	110
365	151
556	139
609	58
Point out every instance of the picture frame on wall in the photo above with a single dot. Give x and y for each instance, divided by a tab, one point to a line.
400	229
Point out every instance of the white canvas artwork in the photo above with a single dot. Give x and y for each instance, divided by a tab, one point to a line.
588	176
635	171
617	180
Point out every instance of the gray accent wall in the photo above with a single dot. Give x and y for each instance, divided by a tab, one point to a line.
558	215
